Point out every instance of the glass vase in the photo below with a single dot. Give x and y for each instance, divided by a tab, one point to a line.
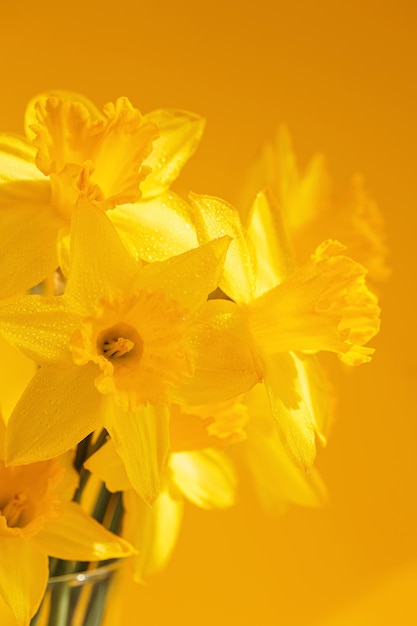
76	599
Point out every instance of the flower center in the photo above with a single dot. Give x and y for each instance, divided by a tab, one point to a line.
119	344
14	508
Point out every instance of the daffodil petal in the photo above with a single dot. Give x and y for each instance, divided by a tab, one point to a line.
6	615
23	577
276	479
205	477
225	365
108	466
59	407
17	161
28	247
69	480
275	168
305	200
190	277
214	218
28	223
294	423
141	437
2	436
189	431
302	197
180	134
274	256
30	113
41	327
153	530
316	392
155	230
16	370
79	537
100	263
254	181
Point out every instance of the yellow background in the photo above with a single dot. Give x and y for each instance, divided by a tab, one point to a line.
342	76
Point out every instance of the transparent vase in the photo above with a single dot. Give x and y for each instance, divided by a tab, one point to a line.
76	599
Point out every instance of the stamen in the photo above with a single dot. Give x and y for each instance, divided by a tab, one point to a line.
14	508
117	347
120	344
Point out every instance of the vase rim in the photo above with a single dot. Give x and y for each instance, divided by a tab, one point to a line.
77	579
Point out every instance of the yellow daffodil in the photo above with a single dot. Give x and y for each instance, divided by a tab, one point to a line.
322	305
313	212
72	148
37	520
118	346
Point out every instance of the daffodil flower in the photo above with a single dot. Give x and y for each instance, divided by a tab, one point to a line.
37	520
313	212
323	305
121	344
73	149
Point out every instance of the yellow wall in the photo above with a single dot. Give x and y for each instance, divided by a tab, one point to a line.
342	76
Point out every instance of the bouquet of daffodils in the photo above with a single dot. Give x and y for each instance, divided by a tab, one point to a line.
167	336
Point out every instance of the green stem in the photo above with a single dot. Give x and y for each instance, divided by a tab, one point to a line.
61	596
84	476
60	606
97	603
101	504
116	519
82	452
